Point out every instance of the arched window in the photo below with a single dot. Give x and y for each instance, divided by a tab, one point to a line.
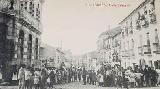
30	48
36	48
3	33
132	44
21	43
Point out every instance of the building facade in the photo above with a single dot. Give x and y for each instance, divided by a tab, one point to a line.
140	36
54	56
88	60
47	55
20	31
109	46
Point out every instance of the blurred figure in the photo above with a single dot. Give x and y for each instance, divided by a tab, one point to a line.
84	76
132	79
52	76
90	77
94	78
158	79
79	74
147	76
37	79
21	77
154	77
138	79
27	77
44	76
100	80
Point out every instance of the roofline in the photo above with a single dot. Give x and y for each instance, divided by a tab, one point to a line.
140	6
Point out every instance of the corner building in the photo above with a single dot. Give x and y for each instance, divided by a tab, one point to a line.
140	36
20	31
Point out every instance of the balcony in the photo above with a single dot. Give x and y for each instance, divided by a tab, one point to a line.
156	52
140	50
126	31
138	25
152	18
156	48
132	52
144	21
29	18
147	49
131	31
145	24
125	54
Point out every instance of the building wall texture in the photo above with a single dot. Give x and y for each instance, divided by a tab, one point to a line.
22	21
140	35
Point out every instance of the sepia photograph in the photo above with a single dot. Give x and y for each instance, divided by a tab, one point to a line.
79	44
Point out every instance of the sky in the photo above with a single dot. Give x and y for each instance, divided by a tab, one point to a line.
76	24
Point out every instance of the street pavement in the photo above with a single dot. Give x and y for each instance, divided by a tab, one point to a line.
78	85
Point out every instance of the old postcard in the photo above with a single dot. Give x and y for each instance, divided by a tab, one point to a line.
79	44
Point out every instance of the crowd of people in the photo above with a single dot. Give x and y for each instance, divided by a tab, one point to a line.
47	77
119	77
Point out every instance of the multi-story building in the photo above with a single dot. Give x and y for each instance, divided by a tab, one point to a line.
54	56
47	55
109	46
140	36
88	60
20	31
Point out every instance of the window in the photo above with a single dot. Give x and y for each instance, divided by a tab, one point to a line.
153	4
22	5
156	43
138	25
38	11
132	44
3	33
30	7
148	46
21	43
126	28
30	48
36	48
152	14
140	48
131	27
25	5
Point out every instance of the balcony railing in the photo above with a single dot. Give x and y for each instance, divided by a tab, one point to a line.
29	18
138	25
156	48
147	49
132	52
152	18
145	24
131	31
125	53
140	50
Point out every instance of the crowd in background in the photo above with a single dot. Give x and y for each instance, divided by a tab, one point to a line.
119	77
106	76
47	77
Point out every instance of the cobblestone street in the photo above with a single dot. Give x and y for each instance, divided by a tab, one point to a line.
77	85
